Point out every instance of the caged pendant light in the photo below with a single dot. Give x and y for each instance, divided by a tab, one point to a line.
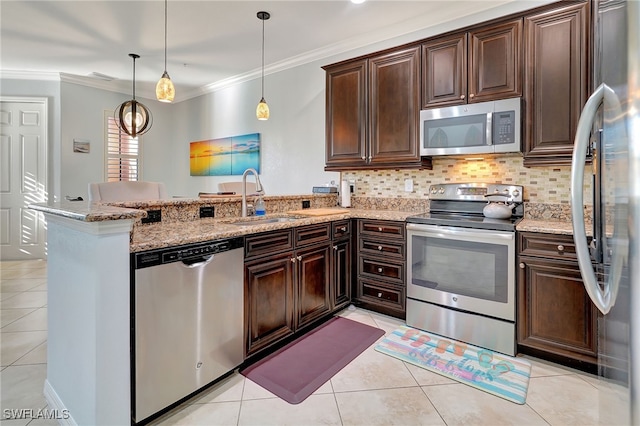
165	91
262	111
132	117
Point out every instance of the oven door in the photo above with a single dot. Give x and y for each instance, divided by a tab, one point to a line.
467	269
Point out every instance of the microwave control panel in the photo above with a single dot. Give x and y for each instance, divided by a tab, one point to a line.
504	125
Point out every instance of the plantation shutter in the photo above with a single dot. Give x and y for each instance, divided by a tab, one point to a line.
123	153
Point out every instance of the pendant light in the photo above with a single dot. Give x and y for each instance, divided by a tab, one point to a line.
132	117
165	92
262	111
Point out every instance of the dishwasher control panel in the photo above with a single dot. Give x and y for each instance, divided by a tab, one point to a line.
189	251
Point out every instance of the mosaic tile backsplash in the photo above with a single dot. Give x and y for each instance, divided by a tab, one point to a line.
544	185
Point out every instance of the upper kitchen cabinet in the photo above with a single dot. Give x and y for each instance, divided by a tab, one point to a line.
373	106
475	66
556	82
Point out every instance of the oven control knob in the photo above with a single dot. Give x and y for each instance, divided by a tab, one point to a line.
441	190
434	190
515	193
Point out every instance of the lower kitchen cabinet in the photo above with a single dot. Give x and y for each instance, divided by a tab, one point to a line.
341	265
290	282
381	273
556	319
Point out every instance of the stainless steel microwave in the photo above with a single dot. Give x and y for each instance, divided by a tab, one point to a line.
482	128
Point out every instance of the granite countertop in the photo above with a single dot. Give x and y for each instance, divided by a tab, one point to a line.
88	212
160	235
547	226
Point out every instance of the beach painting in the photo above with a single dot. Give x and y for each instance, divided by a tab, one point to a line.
225	156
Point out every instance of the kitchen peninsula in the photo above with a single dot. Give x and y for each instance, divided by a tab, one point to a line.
89	292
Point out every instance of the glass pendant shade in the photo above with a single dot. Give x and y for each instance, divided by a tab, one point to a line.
262	111
165	92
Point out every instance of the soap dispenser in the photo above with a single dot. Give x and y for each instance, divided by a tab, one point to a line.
261	210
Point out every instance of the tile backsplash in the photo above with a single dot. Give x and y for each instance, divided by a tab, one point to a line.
548	185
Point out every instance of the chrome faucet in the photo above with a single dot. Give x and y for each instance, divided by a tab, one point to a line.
259	188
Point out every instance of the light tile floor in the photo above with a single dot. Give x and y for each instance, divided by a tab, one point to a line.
374	389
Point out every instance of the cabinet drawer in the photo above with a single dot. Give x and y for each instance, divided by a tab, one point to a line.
547	245
388	229
392	271
312	234
341	228
268	243
394	249
379	293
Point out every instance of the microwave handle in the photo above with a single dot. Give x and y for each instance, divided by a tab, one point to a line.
489	128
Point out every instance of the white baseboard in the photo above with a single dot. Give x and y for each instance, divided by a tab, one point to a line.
55	403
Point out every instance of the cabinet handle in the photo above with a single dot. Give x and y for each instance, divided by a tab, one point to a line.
364	158
471	95
380	270
461	96
522	265
343	229
379	248
335	247
560	248
293	260
379	229
299	258
370	158
379	294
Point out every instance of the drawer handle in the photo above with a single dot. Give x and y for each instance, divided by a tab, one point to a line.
379	229
335	247
560	248
522	265
293	260
379	248
380	270
299	258
343	229
379	294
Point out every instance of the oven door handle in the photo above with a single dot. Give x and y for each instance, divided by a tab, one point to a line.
450	231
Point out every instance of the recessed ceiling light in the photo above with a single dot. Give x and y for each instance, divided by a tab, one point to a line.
357	1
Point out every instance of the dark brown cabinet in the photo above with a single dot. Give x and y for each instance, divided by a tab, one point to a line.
556	82
341	265
372	111
556	319
287	276
475	66
381	274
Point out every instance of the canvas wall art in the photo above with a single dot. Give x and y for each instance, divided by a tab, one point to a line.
225	156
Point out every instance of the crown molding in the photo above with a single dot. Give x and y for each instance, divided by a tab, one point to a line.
29	75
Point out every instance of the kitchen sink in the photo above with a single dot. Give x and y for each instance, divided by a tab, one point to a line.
253	222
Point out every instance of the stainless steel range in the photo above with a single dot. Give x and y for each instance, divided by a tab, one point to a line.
461	274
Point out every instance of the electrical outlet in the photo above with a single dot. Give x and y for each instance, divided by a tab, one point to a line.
408	185
306	204
207	211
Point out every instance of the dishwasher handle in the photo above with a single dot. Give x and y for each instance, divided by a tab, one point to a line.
196	262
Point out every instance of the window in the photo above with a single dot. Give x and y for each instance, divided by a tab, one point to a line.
123	153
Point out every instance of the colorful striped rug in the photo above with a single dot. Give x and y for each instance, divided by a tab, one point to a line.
492	372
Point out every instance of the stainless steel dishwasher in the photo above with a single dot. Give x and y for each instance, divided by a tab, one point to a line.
188	321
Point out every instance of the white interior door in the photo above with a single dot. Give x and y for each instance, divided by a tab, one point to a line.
23	177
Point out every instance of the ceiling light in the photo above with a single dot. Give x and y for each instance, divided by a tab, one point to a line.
131	116
357	1
165	92
262	111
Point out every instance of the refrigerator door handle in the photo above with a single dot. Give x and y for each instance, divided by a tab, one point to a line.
603	297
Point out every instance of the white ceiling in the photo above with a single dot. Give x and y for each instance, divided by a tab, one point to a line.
210	42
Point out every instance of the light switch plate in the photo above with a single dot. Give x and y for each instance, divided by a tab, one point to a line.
408	185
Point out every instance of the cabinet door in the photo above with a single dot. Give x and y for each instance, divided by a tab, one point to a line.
313	283
269	301
555	314
346	113
444	71
341	270
556	82
394	106
495	64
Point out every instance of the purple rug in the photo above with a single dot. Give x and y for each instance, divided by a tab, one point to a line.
295	371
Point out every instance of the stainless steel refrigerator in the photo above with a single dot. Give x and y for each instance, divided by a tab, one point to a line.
609	129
